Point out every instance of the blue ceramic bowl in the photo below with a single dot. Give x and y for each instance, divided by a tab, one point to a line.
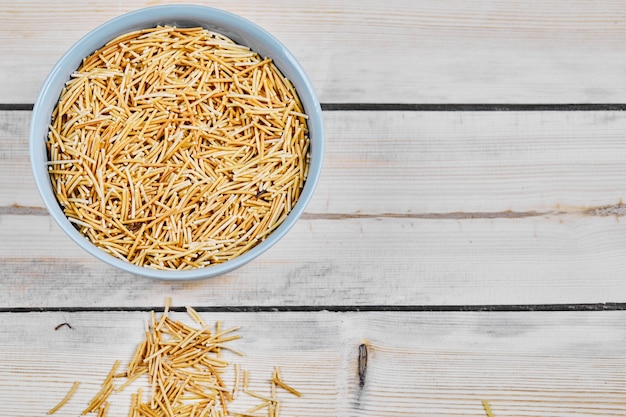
239	30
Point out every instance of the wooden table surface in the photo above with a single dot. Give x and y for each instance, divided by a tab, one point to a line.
467	232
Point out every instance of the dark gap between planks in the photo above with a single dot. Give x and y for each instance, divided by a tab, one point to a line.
452	107
338	308
427	107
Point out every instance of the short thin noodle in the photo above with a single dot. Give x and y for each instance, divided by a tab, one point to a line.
65	399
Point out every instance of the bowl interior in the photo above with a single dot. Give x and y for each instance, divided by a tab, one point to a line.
239	30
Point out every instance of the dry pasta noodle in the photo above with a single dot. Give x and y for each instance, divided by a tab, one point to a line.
487	408
176	148
65	399
277	380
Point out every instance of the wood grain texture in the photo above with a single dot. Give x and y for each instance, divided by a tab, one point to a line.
374	261
450	51
437	164
413	208
418	364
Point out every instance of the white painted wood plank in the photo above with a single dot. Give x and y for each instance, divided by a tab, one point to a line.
350	261
17	186
418	364
431	163
371	51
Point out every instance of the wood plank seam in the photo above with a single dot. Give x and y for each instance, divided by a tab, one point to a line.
460	107
426	107
484	308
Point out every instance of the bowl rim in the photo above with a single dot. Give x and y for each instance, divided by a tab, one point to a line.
237	28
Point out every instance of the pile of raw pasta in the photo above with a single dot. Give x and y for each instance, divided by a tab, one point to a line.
176	148
185	372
